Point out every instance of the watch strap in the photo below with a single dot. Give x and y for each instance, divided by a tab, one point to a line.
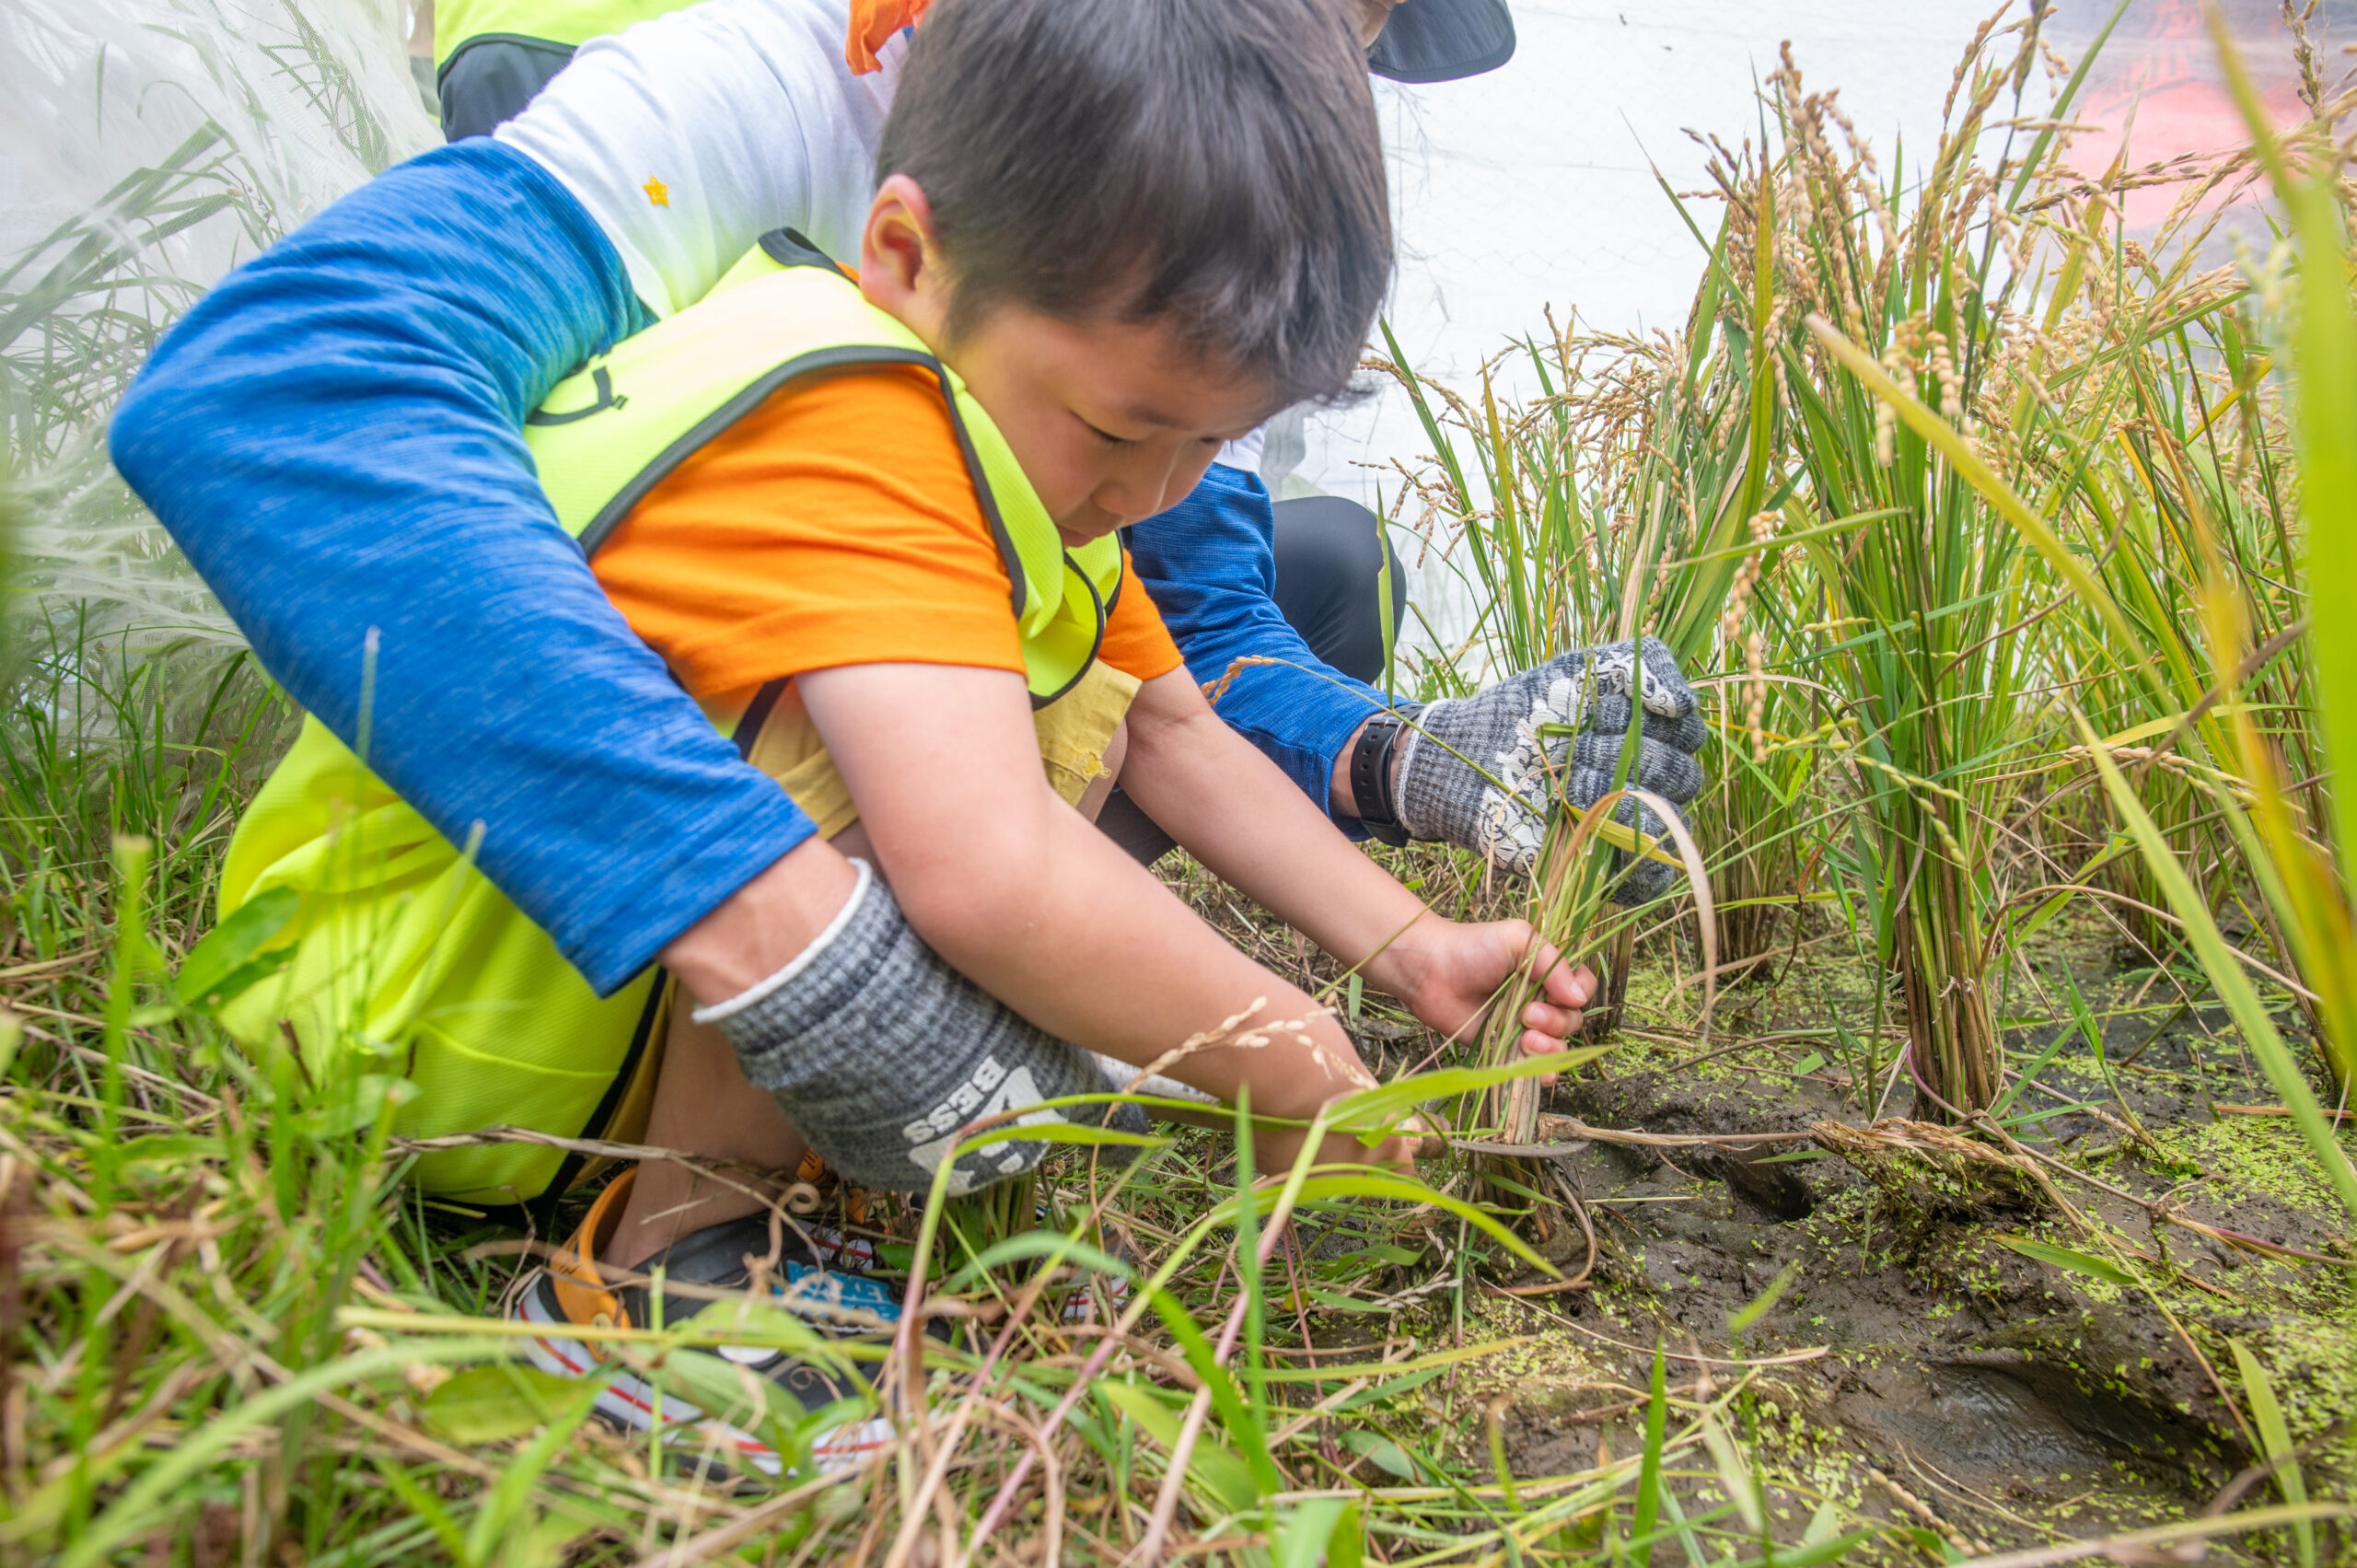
1371	779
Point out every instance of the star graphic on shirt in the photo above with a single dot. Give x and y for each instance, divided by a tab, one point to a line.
656	191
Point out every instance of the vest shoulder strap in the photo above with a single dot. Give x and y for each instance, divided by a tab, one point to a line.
616	428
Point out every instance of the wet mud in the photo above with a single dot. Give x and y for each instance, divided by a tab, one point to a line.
1987	1397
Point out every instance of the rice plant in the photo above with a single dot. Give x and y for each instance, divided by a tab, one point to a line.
1860	487
2281	822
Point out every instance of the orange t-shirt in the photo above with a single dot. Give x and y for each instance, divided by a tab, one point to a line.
835	525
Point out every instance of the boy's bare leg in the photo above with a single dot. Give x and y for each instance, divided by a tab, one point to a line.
703	1106
1100	789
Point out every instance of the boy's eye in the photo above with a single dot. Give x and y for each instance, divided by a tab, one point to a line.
1107	437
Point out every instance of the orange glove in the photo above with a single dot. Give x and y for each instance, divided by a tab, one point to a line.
872	23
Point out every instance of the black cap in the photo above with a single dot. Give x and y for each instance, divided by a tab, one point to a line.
1440	40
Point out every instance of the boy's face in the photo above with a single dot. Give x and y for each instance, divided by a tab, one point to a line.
1112	420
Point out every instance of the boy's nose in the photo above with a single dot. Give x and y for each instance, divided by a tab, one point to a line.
1144	486
1129	498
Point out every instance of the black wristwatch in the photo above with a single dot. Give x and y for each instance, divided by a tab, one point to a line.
1371	779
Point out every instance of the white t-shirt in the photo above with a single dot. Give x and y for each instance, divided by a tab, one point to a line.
691	135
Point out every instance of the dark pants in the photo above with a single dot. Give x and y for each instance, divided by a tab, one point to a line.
1329	557
490	80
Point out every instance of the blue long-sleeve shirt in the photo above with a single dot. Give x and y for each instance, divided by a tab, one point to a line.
1210	565
332	435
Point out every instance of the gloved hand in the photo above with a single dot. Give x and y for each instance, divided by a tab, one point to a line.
1442	797
878	1051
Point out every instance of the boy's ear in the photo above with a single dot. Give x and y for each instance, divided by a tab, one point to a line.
901	268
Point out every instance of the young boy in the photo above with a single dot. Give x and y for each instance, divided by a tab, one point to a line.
870	527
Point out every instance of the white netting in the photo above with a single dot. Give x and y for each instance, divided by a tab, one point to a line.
147	146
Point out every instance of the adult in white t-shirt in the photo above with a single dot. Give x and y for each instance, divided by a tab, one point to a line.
332	436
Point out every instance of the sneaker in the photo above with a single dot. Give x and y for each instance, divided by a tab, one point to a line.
571	1294
856	1247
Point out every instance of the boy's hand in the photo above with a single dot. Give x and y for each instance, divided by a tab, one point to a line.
1447	971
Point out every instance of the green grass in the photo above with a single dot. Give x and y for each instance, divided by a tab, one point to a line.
231	1332
2003	631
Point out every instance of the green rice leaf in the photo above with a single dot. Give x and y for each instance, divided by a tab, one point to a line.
2324	358
1221	1473
489	1404
1759	1305
1325	1530
1064	1133
510	1502
1975	472
1810	1553
1381	1107
1734	1475
2225	972
2275	1438
1382	1453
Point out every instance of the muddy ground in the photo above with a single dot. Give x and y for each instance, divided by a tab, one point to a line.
1984	1398
1994	1399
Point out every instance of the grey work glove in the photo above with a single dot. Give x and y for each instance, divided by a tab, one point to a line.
1442	797
878	1051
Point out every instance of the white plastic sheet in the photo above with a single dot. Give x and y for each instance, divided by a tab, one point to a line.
233	119
1541	185
146	146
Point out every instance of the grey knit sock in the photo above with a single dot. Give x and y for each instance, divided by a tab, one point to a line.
878	1051
1558	726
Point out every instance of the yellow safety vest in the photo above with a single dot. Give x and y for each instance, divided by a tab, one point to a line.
407	963
569	23
613	431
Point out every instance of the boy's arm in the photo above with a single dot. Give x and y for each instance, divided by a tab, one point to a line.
1236	813
1210	565
1027	898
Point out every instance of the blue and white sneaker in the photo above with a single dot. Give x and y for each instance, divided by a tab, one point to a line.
571	1294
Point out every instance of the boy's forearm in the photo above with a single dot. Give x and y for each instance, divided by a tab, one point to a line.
1032	902
1092	948
1123	966
1238	814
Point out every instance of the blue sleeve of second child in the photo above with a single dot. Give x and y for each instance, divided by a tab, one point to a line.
332	435
1210	563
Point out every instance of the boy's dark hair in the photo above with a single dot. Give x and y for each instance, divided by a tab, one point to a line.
1215	163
